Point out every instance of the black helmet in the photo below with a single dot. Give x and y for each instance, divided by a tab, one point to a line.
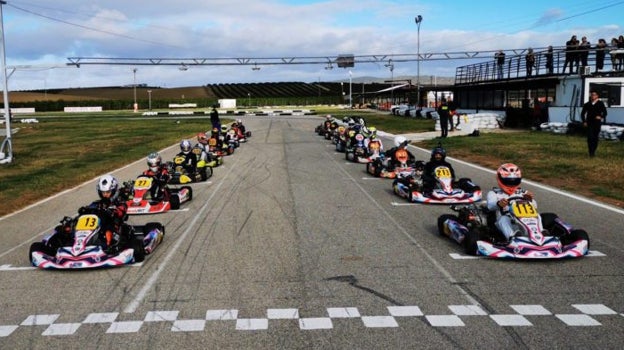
438	150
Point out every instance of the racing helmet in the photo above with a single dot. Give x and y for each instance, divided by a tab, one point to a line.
239	122
185	146
372	132
399	140
107	187
438	150
509	177
215	131
202	138
345	120
153	161
224	129
328	117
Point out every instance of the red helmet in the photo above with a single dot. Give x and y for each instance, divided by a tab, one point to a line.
509	177
202	138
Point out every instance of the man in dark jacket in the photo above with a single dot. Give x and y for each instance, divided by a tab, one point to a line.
593	114
444	112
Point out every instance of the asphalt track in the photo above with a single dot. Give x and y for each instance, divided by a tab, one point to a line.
290	246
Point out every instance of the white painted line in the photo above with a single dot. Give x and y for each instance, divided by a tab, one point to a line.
62	329
467	310
458	256
343	312
379	321
577	320
315	323
40	320
125	327
594	309
282	314
532	310
5	331
252	324
445	321
595	253
403	204
201	213
188	326
510	320
221	315
158	316
16	268
107	317
404	311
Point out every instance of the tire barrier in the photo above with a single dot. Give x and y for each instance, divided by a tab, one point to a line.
269	113
475	121
607	132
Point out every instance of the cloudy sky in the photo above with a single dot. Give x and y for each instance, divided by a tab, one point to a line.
40	35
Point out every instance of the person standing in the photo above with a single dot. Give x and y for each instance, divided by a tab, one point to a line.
214	118
601	51
570	53
549	60
584	48
444	113
593	114
530	62
500	63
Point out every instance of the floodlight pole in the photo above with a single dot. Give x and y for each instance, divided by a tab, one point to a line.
149	98
418	19
136	105
350	89
6	149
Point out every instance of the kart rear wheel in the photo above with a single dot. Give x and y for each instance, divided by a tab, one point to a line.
175	201
442	219
470	242
154	225
575	235
139	250
190	192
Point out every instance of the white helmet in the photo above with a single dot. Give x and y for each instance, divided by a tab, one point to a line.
398	140
107	187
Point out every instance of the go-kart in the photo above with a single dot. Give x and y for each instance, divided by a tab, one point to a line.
141	202
445	191
240	135
180	175
80	243
378	165
356	151
538	236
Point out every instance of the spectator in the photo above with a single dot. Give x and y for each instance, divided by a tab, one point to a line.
444	113
613	54
601	48
620	52
549	60
214	118
593	114
570	53
500	62
530	62
584	47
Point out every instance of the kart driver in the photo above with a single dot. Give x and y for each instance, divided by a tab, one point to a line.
372	138
112	202
509	178
190	159
159	173
438	158
202	144
399	153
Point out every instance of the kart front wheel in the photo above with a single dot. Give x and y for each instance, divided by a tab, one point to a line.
139	250
441	220
574	236
40	247
470	242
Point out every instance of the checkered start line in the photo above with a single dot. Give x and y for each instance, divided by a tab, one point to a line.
519	319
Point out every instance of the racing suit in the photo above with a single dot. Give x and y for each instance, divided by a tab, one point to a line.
429	177
392	158
497	201
161	178
190	162
112	228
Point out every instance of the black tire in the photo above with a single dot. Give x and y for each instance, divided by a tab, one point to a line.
154	225
395	187
139	251
40	247
190	191
470	242
442	219
548	220
575	235
175	201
